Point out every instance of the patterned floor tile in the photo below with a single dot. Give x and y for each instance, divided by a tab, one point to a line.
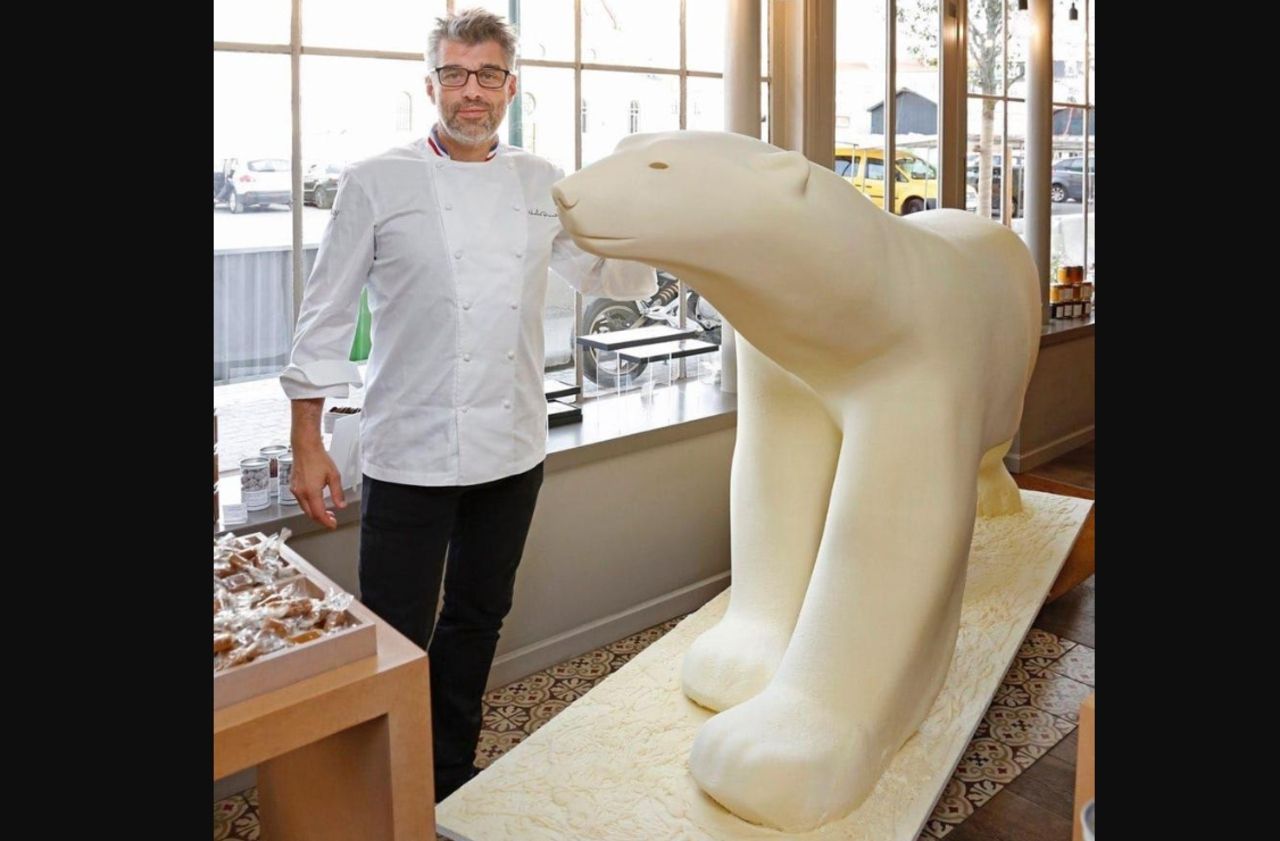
1076	664
1058	695
1041	648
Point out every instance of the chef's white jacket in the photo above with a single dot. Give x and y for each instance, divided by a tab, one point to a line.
455	257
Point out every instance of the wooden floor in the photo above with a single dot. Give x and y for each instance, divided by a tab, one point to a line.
1039	804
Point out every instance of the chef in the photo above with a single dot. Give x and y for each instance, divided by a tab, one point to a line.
452	235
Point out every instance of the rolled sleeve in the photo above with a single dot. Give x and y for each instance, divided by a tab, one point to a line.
319	364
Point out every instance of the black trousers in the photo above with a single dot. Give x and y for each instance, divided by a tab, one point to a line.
404	533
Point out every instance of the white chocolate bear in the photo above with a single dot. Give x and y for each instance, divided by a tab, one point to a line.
881	376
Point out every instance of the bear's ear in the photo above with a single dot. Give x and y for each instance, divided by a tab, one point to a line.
790	169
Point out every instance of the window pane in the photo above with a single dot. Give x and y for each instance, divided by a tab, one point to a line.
1091	48
986	47
1071	183
252	226
704	22
251	21
547	118
860	77
1019	40
353	108
638	34
764	38
620	102
916	135
1069	54
393	25
546	28
705	109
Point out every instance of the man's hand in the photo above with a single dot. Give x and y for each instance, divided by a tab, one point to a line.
313	469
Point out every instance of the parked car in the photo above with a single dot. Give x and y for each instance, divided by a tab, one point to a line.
253	182
1067	179
916	186
320	184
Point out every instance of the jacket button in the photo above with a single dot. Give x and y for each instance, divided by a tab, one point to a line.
466	357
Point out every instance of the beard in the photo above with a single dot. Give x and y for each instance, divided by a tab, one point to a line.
471	132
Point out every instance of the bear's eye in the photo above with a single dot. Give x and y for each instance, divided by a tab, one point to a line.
657	165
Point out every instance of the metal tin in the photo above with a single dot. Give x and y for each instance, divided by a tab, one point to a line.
255	483
286	473
272	454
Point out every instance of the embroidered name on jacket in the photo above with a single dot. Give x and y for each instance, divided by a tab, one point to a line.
534	211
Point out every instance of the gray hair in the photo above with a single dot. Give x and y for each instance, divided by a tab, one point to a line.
471	27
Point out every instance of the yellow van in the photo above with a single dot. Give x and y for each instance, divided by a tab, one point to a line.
917	180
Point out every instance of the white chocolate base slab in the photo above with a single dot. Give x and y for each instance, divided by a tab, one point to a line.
614	765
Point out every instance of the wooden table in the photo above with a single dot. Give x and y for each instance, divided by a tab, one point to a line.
345	754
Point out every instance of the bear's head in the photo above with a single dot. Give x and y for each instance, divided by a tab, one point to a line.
688	199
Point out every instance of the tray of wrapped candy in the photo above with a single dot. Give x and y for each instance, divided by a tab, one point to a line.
273	623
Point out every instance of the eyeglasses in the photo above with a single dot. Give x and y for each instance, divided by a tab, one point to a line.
453	76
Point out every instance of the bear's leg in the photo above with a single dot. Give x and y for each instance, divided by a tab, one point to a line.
878	626
998	494
783	464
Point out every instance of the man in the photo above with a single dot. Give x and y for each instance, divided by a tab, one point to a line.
452	235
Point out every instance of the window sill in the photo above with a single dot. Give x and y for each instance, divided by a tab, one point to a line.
610	427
